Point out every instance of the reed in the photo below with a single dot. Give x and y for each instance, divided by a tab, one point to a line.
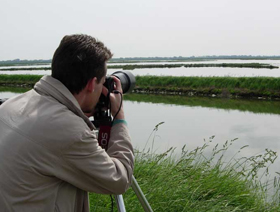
260	83
199	181
19	80
264	86
224	86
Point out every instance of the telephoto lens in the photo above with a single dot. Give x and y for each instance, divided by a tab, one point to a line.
127	80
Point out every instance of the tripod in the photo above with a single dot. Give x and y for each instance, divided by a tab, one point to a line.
141	197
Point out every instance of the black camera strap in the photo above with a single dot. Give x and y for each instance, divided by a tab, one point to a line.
106	125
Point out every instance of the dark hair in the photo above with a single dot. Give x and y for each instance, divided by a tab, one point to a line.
78	59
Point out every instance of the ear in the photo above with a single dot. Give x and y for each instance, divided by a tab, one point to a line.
91	84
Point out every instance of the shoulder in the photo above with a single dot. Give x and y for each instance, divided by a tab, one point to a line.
44	120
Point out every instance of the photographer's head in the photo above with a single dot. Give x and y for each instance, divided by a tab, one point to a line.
80	64
78	59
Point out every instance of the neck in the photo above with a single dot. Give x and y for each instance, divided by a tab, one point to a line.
80	97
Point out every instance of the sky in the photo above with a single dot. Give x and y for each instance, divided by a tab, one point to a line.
33	29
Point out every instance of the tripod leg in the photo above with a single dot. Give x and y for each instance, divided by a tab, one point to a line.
120	203
141	197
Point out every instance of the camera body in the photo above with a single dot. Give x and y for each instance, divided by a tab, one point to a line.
102	114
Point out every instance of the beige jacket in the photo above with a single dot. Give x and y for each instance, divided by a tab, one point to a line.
49	153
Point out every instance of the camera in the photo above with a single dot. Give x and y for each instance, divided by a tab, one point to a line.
127	81
102	111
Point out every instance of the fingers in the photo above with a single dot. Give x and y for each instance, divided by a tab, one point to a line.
117	87
104	91
118	84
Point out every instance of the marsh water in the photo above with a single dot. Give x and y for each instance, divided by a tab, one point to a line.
182	71
191	121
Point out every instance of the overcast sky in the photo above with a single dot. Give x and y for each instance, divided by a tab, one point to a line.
32	29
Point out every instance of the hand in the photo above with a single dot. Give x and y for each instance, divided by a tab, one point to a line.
116	99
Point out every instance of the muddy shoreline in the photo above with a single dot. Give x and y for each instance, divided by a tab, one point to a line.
224	93
205	92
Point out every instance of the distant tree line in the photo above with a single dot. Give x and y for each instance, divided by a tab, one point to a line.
23	62
177	65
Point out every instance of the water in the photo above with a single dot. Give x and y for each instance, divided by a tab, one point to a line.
271	62
206	72
193	125
189	125
182	71
29	66
188	121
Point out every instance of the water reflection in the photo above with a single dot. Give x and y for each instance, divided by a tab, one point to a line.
191	120
246	105
190	125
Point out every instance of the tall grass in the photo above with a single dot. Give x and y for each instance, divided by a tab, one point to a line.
246	86
259	83
266	86
14	89
199	181
27	80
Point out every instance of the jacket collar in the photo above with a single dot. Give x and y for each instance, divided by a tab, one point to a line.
50	86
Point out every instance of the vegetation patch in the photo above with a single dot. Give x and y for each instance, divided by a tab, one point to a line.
249	87
232	87
199	181
19	80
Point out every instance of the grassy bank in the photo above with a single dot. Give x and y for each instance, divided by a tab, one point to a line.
195	65
19	80
194	182
267	87
18	90
205	86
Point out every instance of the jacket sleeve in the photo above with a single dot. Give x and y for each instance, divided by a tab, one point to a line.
87	166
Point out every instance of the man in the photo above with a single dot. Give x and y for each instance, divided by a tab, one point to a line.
49	153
